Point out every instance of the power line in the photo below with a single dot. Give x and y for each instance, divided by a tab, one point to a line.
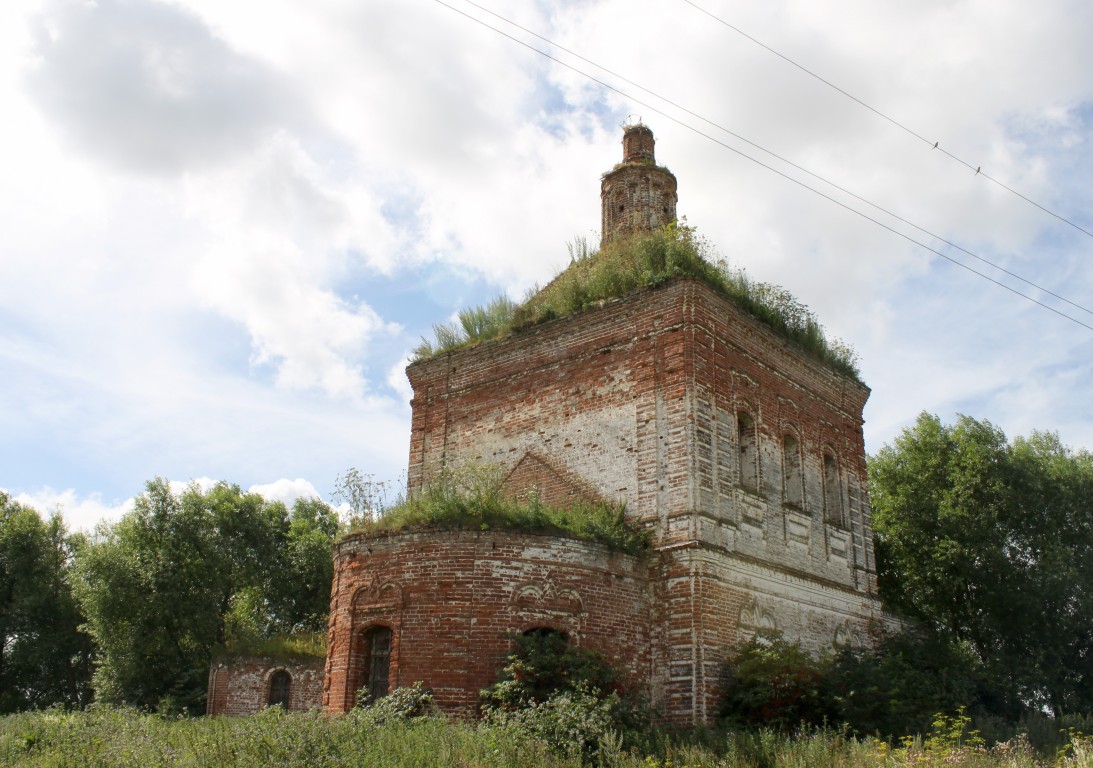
932	144
760	163
785	160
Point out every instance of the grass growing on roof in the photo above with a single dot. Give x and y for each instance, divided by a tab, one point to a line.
296	645
471	498
641	261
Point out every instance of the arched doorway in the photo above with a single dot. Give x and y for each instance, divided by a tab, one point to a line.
280	689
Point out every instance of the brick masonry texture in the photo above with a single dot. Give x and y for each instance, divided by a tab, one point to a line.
678	404
636	194
741	456
453	601
240	685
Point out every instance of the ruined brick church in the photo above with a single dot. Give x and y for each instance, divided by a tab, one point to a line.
741	455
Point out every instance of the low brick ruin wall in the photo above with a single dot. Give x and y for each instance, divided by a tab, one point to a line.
240	685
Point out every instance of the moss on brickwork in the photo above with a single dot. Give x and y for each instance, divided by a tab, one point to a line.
641	262
472	498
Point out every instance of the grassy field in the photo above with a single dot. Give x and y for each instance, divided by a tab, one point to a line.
115	738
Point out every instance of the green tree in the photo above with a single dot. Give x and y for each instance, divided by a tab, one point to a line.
182	574
898	686
44	657
299	592
988	543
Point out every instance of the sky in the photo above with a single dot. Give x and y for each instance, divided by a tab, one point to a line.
224	225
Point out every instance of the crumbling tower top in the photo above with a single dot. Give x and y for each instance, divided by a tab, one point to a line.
637	194
637	145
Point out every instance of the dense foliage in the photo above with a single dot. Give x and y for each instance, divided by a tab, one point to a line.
183	574
627	265
772	683
472	497
45	658
895	687
989	545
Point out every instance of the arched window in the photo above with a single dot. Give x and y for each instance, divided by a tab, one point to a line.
376	658
280	688
833	492
548	636
792	476
749	451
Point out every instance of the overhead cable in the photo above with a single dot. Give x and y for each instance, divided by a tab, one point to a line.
932	144
773	154
760	163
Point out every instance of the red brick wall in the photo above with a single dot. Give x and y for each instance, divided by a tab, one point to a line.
594	394
637	194
453	599
239	685
639	400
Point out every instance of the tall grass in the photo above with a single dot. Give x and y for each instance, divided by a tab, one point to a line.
474	324
123	738
296	645
641	261
472	497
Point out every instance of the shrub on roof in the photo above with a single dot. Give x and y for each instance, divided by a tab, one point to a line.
639	262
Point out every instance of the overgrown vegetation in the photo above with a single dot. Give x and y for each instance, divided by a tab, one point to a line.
569	698
988	544
112	738
627	265
886	692
294	645
471	497
183	574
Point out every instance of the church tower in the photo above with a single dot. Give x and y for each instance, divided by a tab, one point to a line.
637	194
738	452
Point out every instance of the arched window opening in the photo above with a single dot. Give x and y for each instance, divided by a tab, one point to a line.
280	688
376	660
547	634
749	452
792	474
833	494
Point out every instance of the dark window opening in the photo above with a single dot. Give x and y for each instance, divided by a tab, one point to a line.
547	634
791	470
749	452
376	657
833	495
280	688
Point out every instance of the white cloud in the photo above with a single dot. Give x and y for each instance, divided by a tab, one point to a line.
286	491
146	86
397	381
80	513
222	233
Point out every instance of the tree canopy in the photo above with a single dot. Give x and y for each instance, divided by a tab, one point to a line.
182	574
44	657
990	543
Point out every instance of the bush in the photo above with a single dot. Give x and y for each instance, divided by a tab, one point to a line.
772	683
569	698
580	723
898	687
400	705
